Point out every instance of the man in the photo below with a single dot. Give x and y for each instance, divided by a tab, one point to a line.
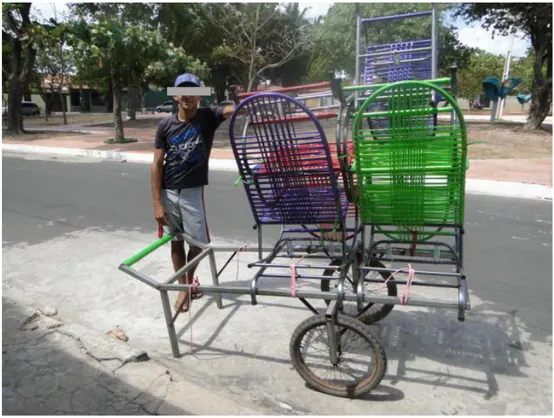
184	140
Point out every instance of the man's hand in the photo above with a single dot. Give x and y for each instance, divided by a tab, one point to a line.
160	214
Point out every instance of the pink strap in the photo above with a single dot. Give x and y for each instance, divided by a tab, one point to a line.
238	253
411	274
293	280
293	285
404	297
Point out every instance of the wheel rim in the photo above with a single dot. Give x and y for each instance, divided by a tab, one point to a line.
351	371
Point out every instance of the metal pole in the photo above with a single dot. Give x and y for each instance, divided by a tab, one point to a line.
505	75
358	30
170	326
434	34
454	87
215	279
494	110
434	42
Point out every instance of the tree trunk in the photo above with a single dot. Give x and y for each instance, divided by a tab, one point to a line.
23	62
118	121
142	100
132	94
62	99
541	100
541	91
15	118
109	97
251	74
81	98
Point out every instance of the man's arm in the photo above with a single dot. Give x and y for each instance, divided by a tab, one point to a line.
228	111
156	178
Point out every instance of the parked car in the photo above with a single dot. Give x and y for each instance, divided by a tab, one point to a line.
30	108
27	109
167	107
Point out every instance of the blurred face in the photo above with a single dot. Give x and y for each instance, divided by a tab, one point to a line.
187	102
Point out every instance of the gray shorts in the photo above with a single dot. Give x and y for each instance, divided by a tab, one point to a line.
186	214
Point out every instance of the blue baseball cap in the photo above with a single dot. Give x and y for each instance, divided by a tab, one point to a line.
188	79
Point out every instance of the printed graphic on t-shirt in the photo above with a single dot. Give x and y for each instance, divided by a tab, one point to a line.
185	151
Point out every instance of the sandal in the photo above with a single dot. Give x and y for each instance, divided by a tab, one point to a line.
196	294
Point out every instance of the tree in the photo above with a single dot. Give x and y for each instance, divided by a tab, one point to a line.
186	26
107	44
254	37
21	34
55	59
130	54
535	20
295	71
174	61
481	65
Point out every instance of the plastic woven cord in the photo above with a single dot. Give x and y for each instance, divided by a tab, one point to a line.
285	162
411	174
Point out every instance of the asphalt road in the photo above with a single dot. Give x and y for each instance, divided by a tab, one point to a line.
49	202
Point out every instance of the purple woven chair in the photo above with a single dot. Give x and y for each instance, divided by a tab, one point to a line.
285	163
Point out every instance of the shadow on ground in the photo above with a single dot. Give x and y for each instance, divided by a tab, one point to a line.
48	373
429	347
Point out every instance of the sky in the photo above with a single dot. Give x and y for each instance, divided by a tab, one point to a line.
472	35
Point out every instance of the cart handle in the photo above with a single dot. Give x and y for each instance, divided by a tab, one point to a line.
151	248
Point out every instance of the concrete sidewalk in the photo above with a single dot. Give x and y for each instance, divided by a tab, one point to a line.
55	368
490	364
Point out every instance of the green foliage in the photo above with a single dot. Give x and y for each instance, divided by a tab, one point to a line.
481	65
523	68
535	20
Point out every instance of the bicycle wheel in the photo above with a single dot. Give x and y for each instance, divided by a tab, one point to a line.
361	364
371	312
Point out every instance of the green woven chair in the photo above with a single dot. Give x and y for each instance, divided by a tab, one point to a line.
410	174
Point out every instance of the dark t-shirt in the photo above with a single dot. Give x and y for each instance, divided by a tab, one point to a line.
187	147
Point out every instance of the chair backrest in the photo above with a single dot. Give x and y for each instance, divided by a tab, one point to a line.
411	173
284	161
401	61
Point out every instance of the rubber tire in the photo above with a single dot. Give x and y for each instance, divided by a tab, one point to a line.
368	317
380	357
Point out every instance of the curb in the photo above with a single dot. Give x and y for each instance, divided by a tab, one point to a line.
68	131
473	186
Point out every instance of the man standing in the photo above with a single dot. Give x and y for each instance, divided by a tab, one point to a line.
179	173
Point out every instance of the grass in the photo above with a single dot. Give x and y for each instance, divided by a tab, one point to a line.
505	141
